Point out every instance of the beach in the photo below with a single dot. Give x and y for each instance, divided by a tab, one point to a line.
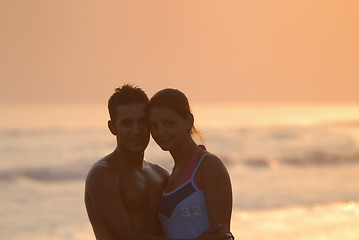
294	168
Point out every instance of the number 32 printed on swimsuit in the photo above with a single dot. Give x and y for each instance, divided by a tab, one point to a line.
191	211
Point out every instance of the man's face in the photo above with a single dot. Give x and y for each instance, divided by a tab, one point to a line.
131	127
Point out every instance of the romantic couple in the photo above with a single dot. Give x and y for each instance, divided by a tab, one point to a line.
128	198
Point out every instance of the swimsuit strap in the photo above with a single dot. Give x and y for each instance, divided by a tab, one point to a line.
199	163
192	166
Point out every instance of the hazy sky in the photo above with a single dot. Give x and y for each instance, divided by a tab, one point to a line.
227	51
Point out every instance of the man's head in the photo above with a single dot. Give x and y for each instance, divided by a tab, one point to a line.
125	95
129	122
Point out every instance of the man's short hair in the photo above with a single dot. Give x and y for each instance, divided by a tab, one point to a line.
127	94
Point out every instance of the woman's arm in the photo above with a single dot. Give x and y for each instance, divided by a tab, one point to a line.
215	181
214	233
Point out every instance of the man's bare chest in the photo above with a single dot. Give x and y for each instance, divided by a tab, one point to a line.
140	190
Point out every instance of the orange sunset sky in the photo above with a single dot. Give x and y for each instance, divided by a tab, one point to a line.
215	51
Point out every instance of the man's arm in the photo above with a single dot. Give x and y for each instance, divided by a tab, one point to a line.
103	190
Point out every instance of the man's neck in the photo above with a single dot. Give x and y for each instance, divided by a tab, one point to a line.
123	158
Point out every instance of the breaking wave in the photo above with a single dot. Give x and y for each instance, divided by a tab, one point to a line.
45	174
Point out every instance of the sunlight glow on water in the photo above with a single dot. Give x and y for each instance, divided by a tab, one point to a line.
326	222
228	116
351	206
206	115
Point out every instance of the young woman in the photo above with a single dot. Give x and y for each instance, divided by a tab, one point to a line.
198	195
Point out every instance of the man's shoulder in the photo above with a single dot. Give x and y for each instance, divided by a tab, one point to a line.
157	168
100	171
99	166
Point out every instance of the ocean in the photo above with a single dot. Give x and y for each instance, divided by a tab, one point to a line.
294	168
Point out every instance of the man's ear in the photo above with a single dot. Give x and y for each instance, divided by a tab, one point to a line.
112	127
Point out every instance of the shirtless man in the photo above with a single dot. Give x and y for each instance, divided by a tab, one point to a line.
123	191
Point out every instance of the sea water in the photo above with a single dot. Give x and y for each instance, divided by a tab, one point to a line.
294	168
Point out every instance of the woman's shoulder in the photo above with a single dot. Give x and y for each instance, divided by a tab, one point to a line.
211	162
212	171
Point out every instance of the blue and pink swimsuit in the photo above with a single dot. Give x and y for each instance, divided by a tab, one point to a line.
183	212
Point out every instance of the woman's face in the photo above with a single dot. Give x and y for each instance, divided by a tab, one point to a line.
168	128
